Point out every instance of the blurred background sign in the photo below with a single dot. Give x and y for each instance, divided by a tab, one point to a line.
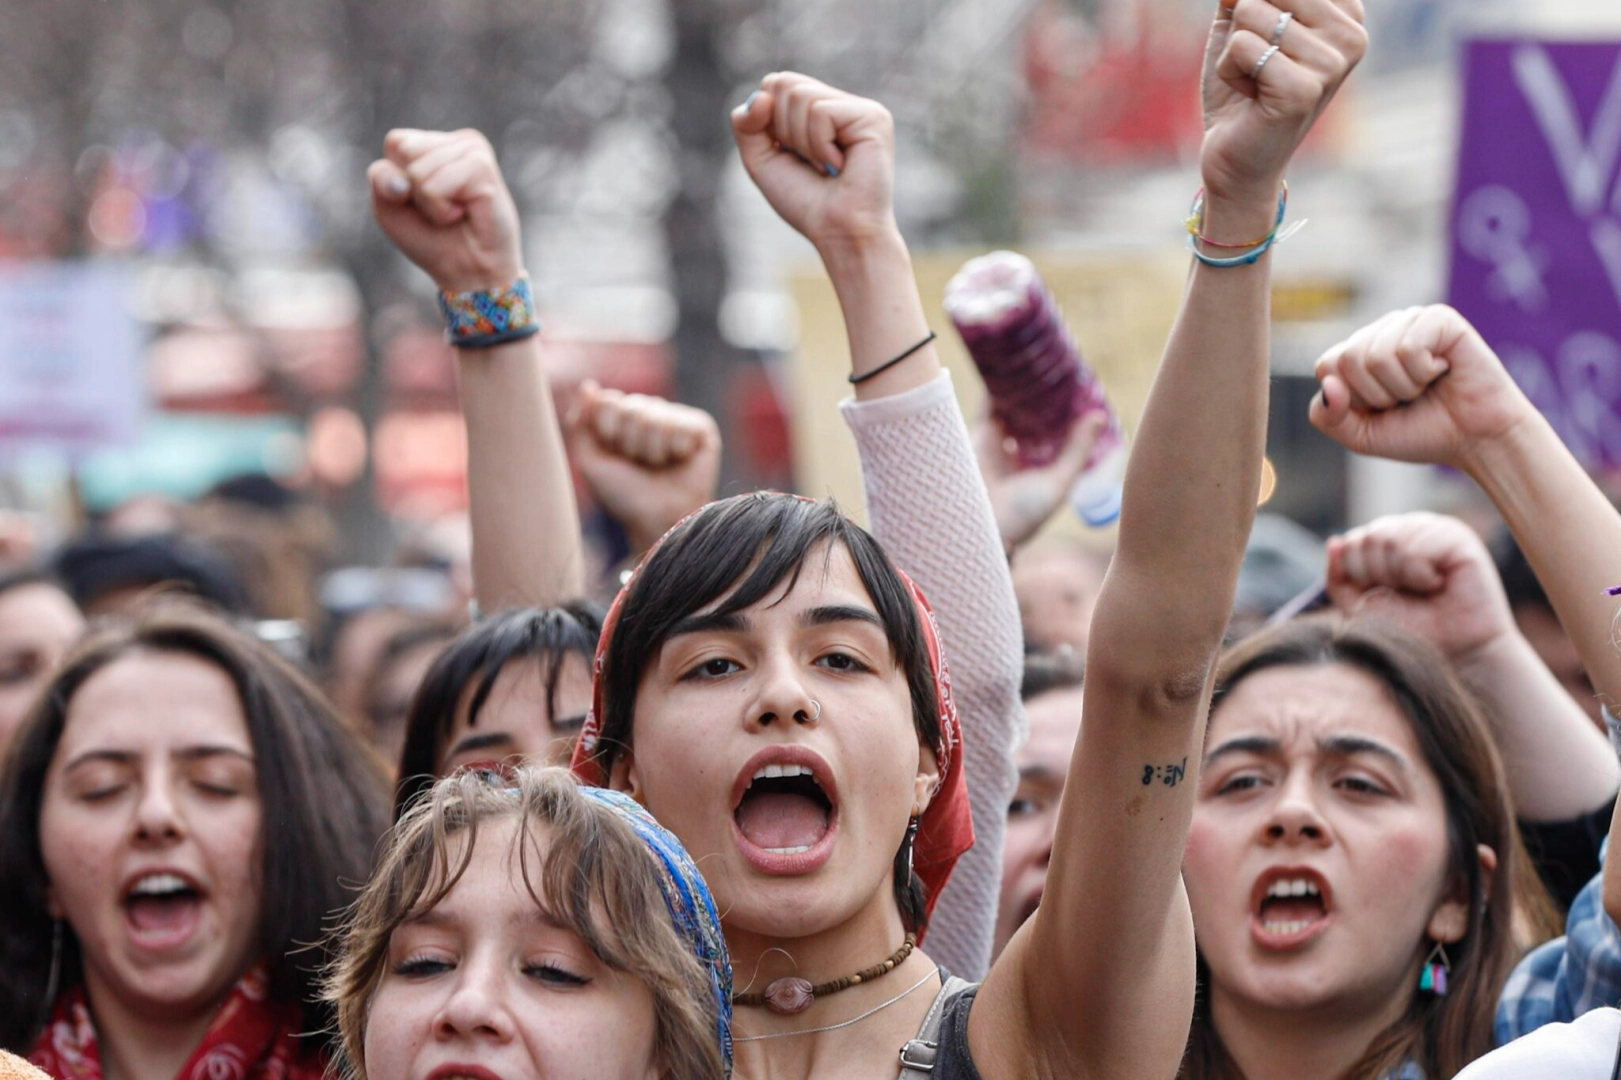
71	364
1536	227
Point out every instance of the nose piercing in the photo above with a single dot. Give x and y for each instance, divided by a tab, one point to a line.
817	715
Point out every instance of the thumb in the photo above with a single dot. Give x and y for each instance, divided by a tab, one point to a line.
577	424
389	184
1331	413
751	127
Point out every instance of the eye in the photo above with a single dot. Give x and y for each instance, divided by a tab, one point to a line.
842	662
422	967
1361	785
101	794
1023	808
555	975
1240	782
714	668
219	791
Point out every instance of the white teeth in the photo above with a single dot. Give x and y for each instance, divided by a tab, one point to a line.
1285	929
773	772
800	850
159	885
1295	887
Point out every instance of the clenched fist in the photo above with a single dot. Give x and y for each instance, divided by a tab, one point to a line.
650	462
1417	385
440	197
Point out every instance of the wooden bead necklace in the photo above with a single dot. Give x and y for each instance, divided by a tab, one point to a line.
791	994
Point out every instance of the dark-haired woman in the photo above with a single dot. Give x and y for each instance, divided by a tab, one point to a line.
178	818
514	687
39	622
773	689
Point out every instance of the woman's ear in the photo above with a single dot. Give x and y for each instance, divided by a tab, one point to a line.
624	777
927	781
1451	919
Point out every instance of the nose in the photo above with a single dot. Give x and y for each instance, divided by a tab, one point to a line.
783	696
476	1008
1294	816
158	820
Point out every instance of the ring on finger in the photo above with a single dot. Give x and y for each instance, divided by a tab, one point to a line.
1260	64
1283	24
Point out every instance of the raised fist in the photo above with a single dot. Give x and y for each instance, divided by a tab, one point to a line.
1429	573
824	159
440	197
648	461
1254	123
1417	385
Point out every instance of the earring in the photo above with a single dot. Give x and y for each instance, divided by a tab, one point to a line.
1434	978
54	980
909	843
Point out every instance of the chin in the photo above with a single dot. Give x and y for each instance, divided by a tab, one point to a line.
193	985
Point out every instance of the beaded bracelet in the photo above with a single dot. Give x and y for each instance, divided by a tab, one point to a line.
483	318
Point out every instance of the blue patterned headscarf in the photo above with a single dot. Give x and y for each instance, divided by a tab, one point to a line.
692	908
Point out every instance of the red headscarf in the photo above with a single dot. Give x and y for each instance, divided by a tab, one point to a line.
946	829
252	1038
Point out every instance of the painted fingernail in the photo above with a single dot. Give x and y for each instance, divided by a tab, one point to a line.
831	171
748	104
398	186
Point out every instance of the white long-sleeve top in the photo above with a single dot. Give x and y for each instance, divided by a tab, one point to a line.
928	506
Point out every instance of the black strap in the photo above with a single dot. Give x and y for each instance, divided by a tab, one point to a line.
886	365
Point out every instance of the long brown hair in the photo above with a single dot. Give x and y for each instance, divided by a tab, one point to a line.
1439	1034
325	805
593	876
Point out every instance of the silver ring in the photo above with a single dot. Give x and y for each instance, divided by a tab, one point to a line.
818	715
1266	56
1283	24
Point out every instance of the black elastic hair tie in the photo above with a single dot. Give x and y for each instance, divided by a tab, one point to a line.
881	368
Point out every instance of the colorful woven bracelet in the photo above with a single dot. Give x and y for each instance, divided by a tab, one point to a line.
1195	223
483	319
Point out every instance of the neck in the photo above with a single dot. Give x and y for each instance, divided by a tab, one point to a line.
867	939
139	1044
1322	1043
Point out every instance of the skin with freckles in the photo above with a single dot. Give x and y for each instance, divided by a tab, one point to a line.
155	770
513	722
1316	767
486	978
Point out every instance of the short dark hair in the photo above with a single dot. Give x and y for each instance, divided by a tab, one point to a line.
476	659
324	794
750	544
1048	672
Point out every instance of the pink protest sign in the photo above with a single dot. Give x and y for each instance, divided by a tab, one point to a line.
1536	227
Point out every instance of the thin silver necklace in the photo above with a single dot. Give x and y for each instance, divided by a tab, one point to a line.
843	1024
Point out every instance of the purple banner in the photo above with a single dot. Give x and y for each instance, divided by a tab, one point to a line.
1536	228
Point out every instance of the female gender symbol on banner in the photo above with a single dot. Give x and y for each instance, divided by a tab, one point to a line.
1493	225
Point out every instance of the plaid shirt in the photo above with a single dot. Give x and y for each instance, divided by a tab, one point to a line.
1568	976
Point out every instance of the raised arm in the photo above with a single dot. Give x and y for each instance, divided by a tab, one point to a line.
441	198
925	497
1100	982
1433	575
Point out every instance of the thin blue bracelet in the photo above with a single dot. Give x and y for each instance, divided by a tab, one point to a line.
1248	258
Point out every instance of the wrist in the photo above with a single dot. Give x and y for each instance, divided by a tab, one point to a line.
1231	218
854	255
1512	452
1492	660
486	277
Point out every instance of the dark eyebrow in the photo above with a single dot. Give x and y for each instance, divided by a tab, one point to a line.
838	613
128	757
1351	745
481	741
1245	744
1043	773
707	623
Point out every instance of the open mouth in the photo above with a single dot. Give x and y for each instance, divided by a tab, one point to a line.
785	810
1290	906
161	908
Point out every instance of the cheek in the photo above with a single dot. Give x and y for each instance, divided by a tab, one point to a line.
232	842
80	852
396	1025
1402	871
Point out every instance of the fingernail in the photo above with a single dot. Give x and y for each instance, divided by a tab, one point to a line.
748	103
831	171
398	186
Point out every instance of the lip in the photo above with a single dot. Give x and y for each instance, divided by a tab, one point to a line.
776	863
1276	942
472	1072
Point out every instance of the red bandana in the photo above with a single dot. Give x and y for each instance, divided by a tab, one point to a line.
252	1038
946	829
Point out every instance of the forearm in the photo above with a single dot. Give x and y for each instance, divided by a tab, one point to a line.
526	528
1191	485
1569	532
883	313
1559	765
